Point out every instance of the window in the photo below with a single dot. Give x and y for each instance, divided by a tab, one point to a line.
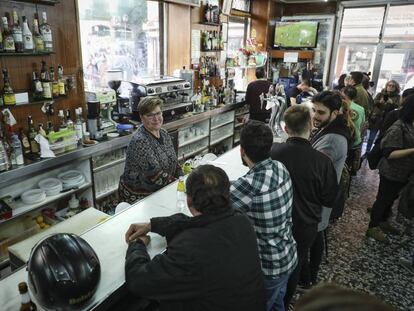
241	5
121	36
400	24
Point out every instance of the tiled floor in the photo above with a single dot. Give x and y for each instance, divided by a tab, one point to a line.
362	264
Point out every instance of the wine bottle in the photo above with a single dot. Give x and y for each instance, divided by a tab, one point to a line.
46	33
37	87
8	40
17	33
25	143
9	98
55	83
69	122
46	85
61	81
27	37
27	303
34	146
39	44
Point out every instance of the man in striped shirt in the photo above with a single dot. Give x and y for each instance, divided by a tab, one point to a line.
265	195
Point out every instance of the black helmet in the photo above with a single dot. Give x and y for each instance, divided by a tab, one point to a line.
64	272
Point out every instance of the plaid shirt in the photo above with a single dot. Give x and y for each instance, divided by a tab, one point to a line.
265	195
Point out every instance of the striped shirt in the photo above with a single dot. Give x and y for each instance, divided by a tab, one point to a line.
265	195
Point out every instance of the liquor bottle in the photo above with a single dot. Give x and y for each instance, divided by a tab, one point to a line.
82	120
50	128
69	122
27	303
17	153
61	116
27	37
34	146
210	41
46	33
37	87
5	164
39	44
41	131
46	84
55	83
17	33
61	81
181	196
1	42
9	99
8	40
207	13
78	126
25	143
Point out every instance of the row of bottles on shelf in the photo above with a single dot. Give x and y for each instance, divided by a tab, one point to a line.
209	66
211	13
47	85
209	96
212	41
17	38
16	148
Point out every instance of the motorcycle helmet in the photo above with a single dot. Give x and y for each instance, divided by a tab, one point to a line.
64	272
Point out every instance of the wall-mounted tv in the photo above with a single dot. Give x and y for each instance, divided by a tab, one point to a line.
302	34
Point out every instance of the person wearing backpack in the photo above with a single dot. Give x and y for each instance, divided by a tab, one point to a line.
395	168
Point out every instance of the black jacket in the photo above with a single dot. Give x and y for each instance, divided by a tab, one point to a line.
211	263
313	177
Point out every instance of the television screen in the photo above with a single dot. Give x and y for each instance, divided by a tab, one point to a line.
296	34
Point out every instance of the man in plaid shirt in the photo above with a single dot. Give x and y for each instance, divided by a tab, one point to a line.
265	195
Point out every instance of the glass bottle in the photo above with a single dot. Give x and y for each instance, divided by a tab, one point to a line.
27	37
17	150
25	143
46	33
55	84
1	42
34	146
27	303
41	131
181	196
46	84
8	40
78	126
9	98
69	122
39	44
5	163
61	81
17	33
37	87
61	116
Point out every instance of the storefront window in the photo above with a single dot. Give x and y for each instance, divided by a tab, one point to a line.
119	35
400	24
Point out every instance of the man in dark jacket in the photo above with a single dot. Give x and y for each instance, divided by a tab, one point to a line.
257	108
212	261
314	184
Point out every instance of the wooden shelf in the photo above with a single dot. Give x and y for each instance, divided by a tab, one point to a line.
44	2
204	27
302	54
10	54
37	102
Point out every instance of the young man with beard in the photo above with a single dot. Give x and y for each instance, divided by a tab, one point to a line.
332	139
314	184
265	195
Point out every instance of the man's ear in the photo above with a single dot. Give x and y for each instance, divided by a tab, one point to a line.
242	153
189	201
286	129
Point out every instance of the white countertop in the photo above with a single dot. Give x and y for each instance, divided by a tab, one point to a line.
107	238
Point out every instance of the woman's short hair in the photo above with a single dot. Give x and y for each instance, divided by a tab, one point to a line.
406	113
209	188
148	105
330	297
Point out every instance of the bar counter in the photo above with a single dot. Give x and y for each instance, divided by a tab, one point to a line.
107	239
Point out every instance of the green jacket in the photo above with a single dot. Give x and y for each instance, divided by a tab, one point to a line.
362	98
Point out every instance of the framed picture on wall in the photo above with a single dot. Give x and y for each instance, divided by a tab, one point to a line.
187	2
227	4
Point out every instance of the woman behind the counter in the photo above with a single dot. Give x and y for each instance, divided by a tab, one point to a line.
151	162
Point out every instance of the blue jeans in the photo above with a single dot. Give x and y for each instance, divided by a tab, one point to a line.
275	292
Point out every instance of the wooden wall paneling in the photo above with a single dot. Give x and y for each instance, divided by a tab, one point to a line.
65	29
178	37
309	8
260	11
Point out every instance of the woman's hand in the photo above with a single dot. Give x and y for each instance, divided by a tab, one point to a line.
137	230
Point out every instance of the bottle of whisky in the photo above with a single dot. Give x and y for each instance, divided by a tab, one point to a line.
46	84
46	33
39	44
9	99
61	81
34	146
8	40
27	37
27	303
17	33
37	87
25	143
55	83
69	121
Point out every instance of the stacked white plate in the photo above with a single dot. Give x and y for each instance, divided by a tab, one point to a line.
33	196
71	179
51	186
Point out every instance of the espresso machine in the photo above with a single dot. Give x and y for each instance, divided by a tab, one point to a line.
107	99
